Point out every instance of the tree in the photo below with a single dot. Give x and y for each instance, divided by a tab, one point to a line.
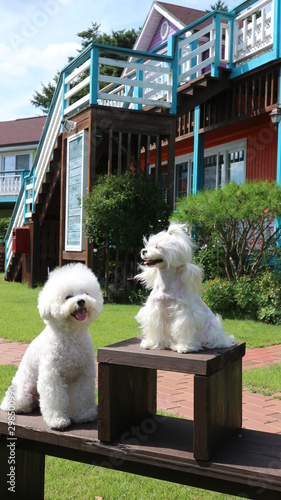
219	5
122	38
4	224
239	219
120	210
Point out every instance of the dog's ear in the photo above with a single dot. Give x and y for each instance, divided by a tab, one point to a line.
192	277
44	306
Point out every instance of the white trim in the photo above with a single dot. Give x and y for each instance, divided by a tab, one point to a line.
18	149
84	179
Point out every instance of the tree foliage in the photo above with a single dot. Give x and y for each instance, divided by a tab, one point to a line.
241	220
123	38
124	208
4	224
219	5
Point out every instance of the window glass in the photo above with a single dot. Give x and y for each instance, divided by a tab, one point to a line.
182	180
9	163
210	170
22	162
236	170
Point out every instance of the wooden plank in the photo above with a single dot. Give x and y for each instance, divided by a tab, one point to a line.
205	362
217	409
248	465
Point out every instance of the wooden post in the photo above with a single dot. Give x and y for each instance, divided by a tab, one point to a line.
28	472
217	409
127	395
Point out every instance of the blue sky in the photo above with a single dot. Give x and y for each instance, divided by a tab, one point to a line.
37	36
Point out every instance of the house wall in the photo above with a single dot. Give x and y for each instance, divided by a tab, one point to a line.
261	138
157	40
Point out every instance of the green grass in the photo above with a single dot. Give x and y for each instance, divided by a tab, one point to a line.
264	381
20	321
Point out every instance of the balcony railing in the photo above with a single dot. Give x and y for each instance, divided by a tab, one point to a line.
10	182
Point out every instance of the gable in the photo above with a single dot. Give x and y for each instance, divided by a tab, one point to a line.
176	16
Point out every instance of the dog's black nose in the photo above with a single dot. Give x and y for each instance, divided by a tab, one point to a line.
81	302
144	251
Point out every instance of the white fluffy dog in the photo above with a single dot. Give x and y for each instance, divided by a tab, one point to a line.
174	316
57	371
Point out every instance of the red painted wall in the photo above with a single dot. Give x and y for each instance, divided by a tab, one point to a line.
261	138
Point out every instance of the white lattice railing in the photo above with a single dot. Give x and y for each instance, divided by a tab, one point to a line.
9	184
253	31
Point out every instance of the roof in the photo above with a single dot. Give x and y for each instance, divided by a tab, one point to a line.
21	131
184	14
179	16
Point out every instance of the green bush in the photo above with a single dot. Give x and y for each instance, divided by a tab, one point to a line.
269	298
246	298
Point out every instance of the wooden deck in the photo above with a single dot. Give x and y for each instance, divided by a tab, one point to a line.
248	465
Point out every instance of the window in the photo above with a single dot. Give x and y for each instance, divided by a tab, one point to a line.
236	170
164	30
210	171
76	185
184	176
16	162
225	163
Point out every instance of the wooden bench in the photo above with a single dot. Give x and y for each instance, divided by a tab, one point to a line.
127	390
247	464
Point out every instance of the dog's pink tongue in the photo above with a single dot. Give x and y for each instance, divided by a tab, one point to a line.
81	315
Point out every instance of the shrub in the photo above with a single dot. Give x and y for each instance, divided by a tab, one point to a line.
246	298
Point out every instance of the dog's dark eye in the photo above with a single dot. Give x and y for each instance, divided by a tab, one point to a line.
68	297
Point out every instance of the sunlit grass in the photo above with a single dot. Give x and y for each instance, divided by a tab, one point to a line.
266	380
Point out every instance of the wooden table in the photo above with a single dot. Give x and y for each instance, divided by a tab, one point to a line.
127	377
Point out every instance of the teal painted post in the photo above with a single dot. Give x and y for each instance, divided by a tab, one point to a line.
216	63
198	154
277	31
94	76
230	65
172	51
138	91
278	165
64	89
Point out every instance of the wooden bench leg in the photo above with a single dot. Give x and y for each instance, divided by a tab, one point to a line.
217	409
126	396
26	480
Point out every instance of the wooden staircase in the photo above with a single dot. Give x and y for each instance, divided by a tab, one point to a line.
45	196
47	188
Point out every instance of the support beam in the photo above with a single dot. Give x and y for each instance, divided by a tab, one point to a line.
198	162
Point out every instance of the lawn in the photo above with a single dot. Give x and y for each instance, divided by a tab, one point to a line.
265	380
19	320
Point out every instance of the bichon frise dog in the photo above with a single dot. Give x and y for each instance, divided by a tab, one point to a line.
57	370
174	316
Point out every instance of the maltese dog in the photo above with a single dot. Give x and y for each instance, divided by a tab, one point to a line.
174	316
57	371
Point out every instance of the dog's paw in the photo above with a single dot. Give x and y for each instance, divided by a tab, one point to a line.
88	416
145	344
148	344
58	423
183	349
